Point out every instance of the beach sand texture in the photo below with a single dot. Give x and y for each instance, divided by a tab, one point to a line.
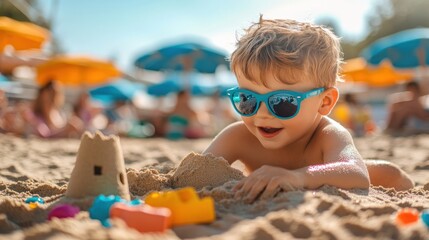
42	167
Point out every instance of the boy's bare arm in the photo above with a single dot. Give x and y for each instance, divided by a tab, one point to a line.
343	166
420	111
224	144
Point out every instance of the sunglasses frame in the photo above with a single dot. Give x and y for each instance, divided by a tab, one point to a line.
265	98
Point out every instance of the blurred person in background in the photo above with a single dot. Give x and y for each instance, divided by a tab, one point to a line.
354	116
89	113
13	116
3	102
124	120
406	110
221	113
48	118
6	117
183	121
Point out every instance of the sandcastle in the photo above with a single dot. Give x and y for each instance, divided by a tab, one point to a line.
99	168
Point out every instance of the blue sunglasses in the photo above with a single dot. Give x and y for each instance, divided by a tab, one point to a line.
282	103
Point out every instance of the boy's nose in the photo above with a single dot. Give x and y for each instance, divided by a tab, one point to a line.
263	111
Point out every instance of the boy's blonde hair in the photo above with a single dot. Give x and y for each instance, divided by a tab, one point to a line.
291	50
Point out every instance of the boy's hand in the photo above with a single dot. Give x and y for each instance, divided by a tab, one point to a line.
267	181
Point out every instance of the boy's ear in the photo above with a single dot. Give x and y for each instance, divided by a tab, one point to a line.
330	98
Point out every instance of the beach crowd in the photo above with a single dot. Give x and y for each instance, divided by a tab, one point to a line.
49	115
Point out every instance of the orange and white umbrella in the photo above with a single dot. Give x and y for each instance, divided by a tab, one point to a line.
77	71
21	35
383	75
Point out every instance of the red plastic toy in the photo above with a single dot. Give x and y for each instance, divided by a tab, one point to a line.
407	216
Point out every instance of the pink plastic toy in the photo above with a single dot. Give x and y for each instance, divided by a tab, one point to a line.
185	205
63	211
144	218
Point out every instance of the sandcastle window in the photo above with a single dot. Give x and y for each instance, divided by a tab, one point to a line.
97	170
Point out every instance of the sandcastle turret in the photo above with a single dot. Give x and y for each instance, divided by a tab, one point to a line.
99	168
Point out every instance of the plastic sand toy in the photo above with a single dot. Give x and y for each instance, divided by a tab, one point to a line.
102	204
100	208
425	217
33	201
407	216
185	205
143	218
63	211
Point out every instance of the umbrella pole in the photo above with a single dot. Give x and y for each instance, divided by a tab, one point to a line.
425	79
424	74
188	65
2	52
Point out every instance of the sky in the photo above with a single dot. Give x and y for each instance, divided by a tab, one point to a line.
122	30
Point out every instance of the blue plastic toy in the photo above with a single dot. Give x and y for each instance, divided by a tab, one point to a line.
425	217
100	208
34	199
135	202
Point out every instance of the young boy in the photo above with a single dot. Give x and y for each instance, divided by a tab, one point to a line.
286	72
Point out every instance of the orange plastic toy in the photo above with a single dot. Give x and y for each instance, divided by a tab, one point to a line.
185	205
143	218
406	216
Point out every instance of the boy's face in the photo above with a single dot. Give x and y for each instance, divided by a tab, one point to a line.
275	133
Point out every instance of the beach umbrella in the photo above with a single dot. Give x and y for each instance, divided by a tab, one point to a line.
198	84
77	71
21	35
405	49
184	56
164	88
384	75
119	90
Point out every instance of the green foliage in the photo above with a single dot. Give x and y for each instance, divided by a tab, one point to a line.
8	10
389	17
24	13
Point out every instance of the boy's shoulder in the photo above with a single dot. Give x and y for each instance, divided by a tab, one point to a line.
236	133
330	131
330	125
235	129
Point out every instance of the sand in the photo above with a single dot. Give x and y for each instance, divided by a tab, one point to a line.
42	167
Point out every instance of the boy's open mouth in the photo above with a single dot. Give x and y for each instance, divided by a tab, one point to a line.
268	130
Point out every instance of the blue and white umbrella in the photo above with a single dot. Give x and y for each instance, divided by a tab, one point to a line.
120	90
405	49
198	84
204	58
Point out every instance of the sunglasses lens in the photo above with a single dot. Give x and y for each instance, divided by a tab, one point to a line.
245	103
283	105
